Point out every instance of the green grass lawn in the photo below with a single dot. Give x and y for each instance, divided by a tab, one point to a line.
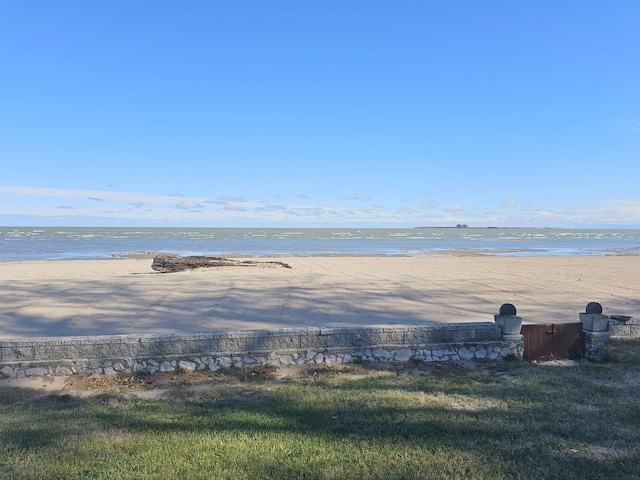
426	421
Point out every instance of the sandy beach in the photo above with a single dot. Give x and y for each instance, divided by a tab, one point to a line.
108	297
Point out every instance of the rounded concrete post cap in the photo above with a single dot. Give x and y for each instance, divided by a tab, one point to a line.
507	309
593	307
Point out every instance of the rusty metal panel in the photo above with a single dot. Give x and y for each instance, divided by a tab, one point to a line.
553	342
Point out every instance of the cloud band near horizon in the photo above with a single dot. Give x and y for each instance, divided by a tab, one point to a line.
115	206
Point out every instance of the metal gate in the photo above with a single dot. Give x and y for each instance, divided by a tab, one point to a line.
557	341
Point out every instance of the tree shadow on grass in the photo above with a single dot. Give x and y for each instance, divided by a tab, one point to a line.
544	424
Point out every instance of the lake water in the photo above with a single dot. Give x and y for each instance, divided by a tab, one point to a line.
53	243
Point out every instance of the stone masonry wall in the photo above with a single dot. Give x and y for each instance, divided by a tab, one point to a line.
629	329
108	355
594	341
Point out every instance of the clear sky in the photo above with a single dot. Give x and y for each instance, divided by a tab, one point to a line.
320	113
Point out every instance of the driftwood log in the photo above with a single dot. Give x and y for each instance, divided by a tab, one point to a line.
175	263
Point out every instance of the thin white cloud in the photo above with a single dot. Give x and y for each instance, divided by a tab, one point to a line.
511	203
456	209
427	205
625	211
270	207
359	198
226	198
189	206
144	208
126	197
404	211
235	208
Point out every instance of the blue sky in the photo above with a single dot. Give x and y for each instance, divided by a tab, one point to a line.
320	113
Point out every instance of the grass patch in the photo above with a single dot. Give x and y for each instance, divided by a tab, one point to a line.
511	420
620	351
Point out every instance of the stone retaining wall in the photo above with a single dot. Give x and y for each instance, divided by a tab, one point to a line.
107	355
630	328
595	340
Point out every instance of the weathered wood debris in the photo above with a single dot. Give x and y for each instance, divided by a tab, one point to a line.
165	263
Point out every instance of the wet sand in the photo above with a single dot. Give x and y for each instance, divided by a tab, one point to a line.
109	297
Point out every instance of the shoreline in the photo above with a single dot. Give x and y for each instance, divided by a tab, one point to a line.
45	298
505	253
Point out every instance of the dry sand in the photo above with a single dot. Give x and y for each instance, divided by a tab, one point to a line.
69	298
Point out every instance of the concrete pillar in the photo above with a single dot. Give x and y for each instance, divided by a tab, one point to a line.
510	325
595	327
507	320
